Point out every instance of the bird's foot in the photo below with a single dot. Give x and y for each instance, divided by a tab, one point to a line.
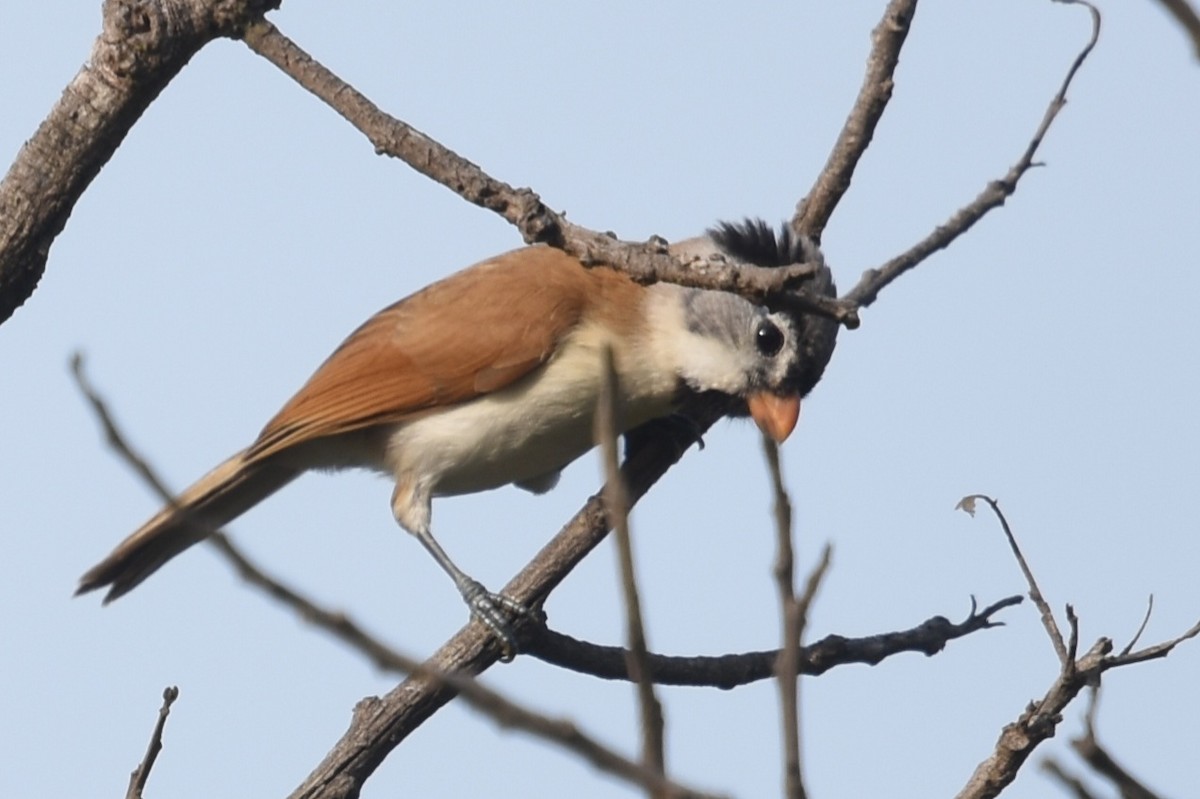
496	612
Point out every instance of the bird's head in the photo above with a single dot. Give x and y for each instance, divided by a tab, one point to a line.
765	360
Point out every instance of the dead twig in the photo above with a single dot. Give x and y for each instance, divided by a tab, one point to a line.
1141	627
1041	718
788	665
993	195
814	211
616	503
1035	593
137	780
646	262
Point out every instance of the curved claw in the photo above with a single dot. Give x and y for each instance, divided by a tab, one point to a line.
496	612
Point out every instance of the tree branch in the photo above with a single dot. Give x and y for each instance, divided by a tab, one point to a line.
616	503
1042	717
814	211
733	670
787	667
647	262
142	46
1035	593
378	729
137	780
993	196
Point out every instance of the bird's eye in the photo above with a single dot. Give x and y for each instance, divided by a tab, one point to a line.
768	338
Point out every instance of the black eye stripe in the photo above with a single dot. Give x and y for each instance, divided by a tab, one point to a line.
768	338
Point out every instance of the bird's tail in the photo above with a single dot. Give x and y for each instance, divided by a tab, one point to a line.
219	497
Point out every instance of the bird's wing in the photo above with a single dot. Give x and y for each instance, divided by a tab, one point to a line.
472	333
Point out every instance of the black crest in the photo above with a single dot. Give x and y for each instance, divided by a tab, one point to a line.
756	242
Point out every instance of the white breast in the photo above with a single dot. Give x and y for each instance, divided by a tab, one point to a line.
532	428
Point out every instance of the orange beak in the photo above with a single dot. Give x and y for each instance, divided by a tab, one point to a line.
775	415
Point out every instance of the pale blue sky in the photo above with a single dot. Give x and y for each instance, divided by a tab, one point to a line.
1048	358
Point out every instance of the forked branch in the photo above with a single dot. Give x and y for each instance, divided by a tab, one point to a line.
1041	718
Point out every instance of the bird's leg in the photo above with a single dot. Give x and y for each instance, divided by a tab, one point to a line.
412	509
494	610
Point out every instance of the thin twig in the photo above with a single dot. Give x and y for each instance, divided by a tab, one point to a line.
501	710
616	502
112	435
1041	718
993	196
813	583
788	667
814	211
1141	628
1036	723
1156	651
137	780
1072	637
968	504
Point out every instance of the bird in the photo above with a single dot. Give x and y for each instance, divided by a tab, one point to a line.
491	377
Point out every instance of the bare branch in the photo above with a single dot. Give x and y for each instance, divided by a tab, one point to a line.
1073	638
814	211
647	262
788	665
112	434
140	49
137	780
390	136
1156	651
1141	628
968	504
1038	722
503	711
730	671
616	502
813	583
787	668
993	196
1041	718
